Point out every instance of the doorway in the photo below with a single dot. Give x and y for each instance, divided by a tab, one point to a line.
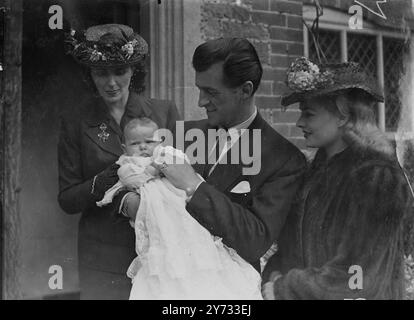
52	86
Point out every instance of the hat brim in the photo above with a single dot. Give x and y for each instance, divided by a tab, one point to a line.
108	64
116	36
295	97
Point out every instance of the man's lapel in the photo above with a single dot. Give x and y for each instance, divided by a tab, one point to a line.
224	176
198	166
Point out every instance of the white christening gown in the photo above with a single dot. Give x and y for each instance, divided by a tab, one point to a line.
178	259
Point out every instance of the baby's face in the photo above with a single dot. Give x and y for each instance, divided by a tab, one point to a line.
139	141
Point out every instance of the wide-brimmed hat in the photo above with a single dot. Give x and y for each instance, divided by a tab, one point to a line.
306	79
107	45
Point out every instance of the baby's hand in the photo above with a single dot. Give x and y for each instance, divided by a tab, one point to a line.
133	176
151	170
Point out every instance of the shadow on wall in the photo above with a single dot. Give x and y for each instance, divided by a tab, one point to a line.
51	86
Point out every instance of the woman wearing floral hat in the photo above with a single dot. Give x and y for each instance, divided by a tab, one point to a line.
346	234
113	58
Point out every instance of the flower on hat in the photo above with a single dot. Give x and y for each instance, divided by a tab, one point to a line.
306	79
107	45
303	75
129	48
96	56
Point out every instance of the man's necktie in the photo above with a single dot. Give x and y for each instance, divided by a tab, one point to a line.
222	140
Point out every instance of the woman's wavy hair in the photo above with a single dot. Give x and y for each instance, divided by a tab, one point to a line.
137	80
361	129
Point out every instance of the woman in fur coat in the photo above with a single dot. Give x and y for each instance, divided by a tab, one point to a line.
346	234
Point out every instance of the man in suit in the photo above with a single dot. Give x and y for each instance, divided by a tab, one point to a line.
246	210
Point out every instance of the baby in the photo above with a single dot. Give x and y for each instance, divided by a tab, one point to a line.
139	137
177	258
135	169
138	141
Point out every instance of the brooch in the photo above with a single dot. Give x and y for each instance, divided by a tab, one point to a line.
103	135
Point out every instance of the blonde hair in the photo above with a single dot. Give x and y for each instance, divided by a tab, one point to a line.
361	128
139	122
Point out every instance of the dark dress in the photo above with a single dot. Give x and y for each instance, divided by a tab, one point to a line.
352	211
106	241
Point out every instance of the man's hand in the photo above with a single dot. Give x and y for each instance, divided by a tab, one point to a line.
181	175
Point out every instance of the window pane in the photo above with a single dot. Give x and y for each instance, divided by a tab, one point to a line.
330	44
363	49
393	68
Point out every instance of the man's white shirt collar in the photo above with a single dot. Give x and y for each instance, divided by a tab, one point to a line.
236	131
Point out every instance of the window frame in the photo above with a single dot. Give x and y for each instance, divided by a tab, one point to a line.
337	21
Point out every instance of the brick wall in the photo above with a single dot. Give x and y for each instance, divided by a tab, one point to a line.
275	29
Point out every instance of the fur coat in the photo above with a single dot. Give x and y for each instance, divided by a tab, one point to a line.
345	237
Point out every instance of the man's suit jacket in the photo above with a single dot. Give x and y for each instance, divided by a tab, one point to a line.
250	222
106	239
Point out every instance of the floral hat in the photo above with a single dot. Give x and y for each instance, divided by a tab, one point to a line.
305	79
107	45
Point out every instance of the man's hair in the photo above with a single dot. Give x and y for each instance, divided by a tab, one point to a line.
240	60
139	122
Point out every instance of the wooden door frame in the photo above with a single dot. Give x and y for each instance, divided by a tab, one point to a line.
10	128
2	132
172	38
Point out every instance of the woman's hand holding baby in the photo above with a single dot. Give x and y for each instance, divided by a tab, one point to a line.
104	180
131	205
